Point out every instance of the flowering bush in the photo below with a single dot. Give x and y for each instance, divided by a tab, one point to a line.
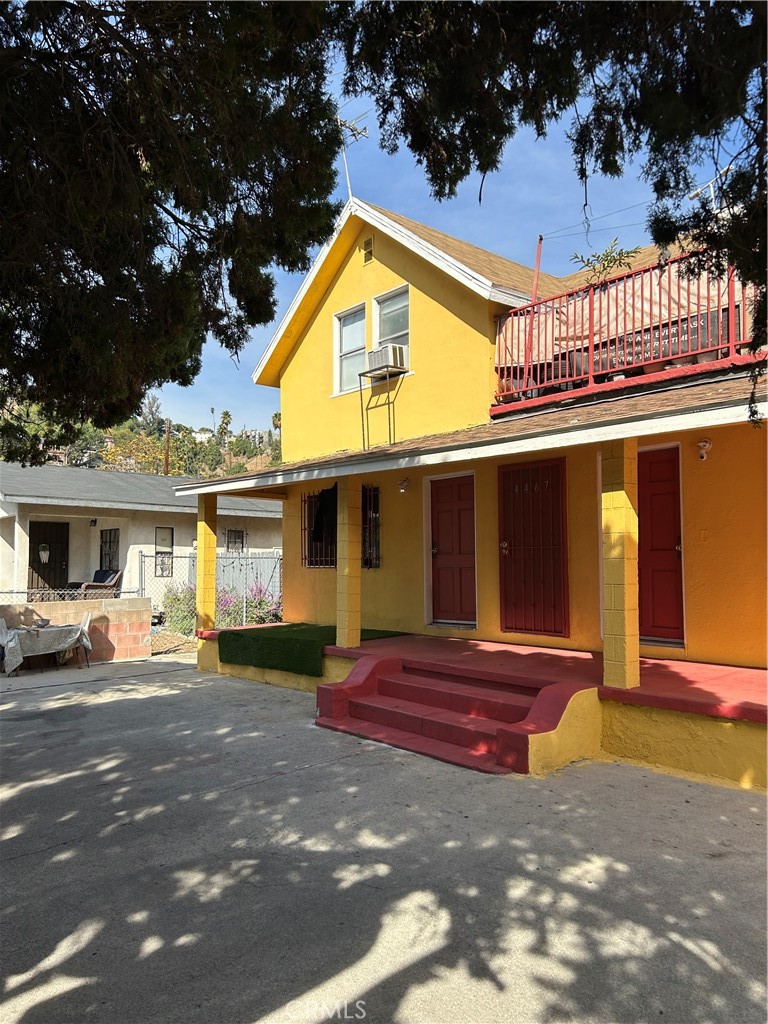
229	609
179	608
261	607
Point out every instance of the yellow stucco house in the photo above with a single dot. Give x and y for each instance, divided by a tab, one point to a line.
477	451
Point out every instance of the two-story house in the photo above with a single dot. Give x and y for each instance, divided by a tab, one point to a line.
478	452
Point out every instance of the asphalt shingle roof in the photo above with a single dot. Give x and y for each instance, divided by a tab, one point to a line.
97	488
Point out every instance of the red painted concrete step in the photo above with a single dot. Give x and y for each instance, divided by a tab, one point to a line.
481	720
477	734
438	749
459	695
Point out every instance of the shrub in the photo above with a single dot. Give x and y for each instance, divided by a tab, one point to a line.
180	608
263	606
229	609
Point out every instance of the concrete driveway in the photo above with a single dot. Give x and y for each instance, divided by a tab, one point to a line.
184	848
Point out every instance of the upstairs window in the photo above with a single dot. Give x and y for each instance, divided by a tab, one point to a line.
393	319
350	335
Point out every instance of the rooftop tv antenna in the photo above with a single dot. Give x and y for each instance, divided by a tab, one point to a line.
352	131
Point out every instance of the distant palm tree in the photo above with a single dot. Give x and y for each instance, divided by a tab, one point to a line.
276	420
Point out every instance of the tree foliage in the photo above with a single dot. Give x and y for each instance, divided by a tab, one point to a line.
150	418
678	83
156	159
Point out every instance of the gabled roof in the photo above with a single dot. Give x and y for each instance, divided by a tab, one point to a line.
96	489
492	277
502	272
495	278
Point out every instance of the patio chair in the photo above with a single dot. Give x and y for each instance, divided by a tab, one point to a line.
105	583
84	624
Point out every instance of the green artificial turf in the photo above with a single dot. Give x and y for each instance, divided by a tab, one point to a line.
291	646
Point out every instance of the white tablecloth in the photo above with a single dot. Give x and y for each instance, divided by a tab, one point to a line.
24	641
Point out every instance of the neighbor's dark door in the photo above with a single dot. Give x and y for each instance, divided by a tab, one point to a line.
53	572
453	550
533	552
660	556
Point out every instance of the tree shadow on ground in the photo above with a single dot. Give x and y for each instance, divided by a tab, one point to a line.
200	852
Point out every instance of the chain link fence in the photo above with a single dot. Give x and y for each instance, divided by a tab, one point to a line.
249	589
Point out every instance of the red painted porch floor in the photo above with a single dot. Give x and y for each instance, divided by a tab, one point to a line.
719	691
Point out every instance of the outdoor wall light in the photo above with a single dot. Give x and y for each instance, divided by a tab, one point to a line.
93	522
705	447
402	485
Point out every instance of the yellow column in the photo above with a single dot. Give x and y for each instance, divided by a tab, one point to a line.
621	623
348	568
206	561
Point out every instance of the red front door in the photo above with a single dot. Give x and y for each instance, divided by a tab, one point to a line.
453	549
659	557
533	558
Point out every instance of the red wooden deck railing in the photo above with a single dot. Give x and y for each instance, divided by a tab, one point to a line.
647	321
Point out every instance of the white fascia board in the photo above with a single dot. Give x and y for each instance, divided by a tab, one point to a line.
458	271
306	284
726	415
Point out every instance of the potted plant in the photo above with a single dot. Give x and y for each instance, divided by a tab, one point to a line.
44	553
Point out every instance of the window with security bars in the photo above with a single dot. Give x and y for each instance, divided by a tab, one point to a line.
318	529
236	540
371	554
109	550
164	551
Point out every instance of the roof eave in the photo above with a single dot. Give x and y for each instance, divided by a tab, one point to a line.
728	413
267	372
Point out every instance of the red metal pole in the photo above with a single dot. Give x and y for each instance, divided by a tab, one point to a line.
534	292
731	311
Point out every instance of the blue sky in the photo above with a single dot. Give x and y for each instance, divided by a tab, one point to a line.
536	191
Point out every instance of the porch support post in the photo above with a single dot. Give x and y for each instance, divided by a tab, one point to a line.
206	561
348	567
621	617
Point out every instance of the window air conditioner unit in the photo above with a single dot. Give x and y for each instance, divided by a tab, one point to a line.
387	360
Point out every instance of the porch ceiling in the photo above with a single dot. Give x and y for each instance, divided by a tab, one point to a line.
715	402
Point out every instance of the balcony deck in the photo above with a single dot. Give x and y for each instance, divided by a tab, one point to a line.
638	328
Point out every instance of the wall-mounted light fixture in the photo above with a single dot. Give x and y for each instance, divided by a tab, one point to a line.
402	485
93	522
705	447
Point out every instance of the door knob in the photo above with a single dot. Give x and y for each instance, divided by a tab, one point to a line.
504	547
434	550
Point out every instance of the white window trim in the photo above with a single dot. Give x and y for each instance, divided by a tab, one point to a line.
337	318
377	300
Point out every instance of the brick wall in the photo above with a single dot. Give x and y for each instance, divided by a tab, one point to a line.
119	629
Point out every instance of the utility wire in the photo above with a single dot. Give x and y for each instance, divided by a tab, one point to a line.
646	202
602	216
615	227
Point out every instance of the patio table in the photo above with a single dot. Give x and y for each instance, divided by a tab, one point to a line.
24	641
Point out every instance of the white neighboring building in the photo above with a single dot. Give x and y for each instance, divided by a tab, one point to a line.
60	524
